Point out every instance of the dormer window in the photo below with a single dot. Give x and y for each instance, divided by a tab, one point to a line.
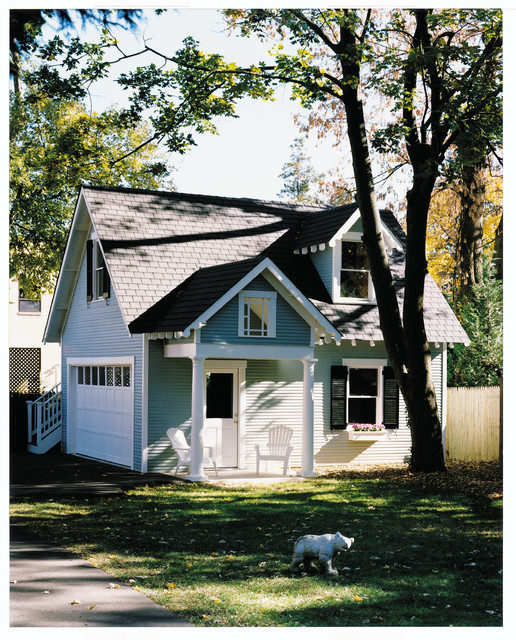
352	277
257	314
98	282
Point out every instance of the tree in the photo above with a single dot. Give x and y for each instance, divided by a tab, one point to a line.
482	318
439	89
55	146
430	65
299	176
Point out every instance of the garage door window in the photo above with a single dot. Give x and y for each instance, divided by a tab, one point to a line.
104	376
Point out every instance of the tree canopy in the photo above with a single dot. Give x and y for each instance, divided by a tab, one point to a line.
438	72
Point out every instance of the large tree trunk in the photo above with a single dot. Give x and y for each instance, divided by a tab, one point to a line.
472	200
419	391
406	344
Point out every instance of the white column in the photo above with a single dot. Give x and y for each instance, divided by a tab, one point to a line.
197	434
307	451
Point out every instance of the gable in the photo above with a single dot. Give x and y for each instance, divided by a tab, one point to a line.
290	327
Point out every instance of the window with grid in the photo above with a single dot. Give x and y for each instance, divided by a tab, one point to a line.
104	376
257	314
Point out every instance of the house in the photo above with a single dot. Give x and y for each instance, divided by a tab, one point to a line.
33	366
224	316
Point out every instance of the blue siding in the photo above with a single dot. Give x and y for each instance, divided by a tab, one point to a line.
323	261
98	330
170	389
291	329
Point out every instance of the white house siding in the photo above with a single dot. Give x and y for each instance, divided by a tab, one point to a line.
274	393
98	330
170	405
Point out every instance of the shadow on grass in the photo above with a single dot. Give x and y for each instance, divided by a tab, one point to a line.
420	557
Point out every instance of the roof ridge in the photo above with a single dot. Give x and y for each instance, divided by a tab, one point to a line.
202	197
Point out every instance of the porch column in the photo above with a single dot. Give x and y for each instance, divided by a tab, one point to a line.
307	451
197	434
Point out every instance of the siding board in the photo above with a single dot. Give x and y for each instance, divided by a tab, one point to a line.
98	330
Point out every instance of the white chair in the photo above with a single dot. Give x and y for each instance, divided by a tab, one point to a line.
279	447
182	449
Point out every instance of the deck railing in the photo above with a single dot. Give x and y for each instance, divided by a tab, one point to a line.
45	420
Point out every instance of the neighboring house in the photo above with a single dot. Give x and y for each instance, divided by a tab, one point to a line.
226	316
33	367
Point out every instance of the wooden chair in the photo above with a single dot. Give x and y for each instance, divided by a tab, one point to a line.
279	447
182	449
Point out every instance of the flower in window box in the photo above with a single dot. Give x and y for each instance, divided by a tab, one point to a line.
367	427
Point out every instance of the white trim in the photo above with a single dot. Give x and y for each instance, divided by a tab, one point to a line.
265	264
337	269
367	363
267	295
100	361
145	403
354	217
71	367
248	352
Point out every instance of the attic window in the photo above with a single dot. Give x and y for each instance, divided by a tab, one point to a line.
98	282
257	314
353	277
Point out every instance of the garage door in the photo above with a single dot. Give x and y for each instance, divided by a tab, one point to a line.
104	413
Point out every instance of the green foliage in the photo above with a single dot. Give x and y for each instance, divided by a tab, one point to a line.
299	176
482	318
55	146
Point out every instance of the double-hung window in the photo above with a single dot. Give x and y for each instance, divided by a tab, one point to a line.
364	392
354	283
257	314
98	282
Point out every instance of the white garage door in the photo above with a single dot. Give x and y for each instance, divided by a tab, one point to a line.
104	413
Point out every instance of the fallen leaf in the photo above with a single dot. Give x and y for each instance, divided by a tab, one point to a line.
171	585
75	602
92	606
113	586
357	598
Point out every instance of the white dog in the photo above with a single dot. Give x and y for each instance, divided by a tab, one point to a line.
323	549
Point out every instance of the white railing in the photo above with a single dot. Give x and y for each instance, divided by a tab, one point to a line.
45	420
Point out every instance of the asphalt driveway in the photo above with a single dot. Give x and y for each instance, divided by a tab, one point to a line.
51	587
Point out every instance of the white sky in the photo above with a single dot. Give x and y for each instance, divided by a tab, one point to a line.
246	157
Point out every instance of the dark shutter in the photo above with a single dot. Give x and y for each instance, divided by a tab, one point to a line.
339	376
391	399
106	286
89	270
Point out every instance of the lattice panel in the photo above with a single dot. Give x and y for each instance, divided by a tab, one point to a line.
24	369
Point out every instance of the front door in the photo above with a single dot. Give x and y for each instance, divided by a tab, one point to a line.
221	422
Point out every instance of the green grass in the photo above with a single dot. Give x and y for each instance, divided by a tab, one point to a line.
220	555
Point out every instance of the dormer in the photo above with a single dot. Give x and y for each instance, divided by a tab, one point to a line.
340	256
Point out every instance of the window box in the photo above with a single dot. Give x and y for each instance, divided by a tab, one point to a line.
367	433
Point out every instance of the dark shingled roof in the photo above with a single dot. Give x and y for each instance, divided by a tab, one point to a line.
172	255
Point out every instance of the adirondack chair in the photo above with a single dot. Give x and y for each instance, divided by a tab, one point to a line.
182	449
279	447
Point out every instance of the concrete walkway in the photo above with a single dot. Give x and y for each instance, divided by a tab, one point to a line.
51	587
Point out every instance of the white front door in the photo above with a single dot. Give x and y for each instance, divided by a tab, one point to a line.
221	421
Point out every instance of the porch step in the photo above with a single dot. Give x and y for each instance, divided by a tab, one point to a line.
47	443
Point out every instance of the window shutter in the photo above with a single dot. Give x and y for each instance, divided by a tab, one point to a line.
391	399
106	283
89	270
339	377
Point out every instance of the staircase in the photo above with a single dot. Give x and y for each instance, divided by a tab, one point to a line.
45	421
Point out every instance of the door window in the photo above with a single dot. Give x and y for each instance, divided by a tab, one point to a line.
219	395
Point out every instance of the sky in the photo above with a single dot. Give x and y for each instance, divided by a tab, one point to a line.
247	156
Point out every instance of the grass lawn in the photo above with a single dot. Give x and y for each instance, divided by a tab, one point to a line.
424	554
